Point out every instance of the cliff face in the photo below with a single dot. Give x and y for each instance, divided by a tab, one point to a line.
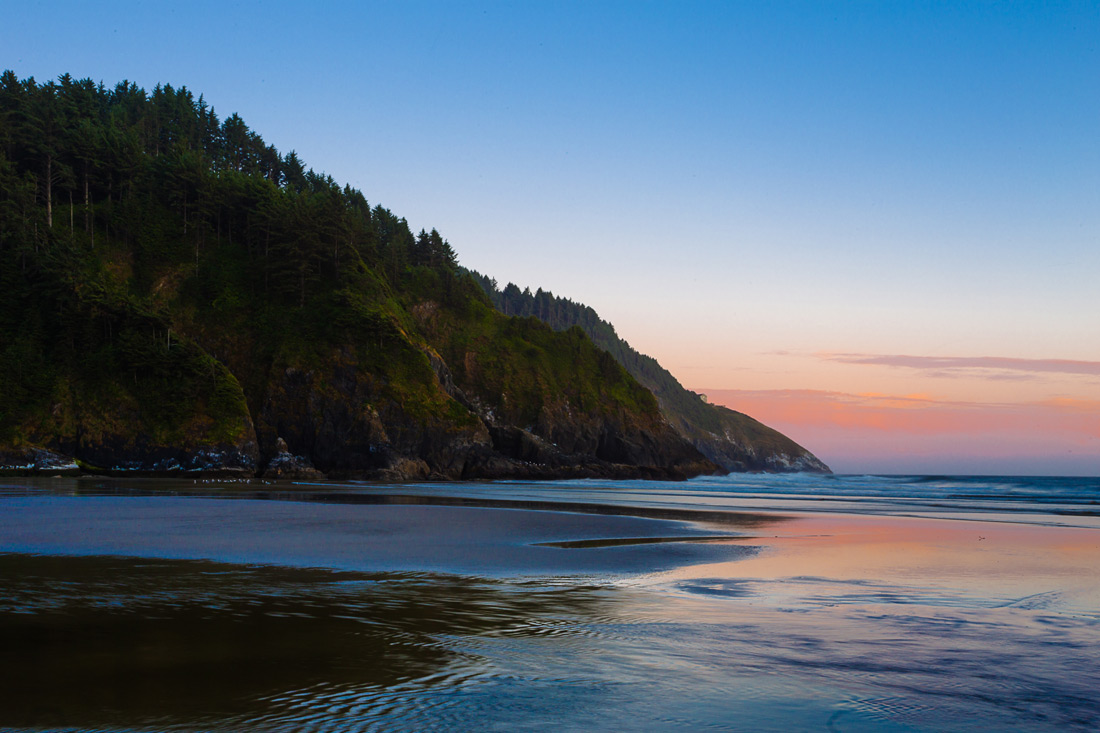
425	382
732	440
737	442
550	400
91	381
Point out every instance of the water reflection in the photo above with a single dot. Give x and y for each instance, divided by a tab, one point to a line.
814	622
134	644
114	642
817	560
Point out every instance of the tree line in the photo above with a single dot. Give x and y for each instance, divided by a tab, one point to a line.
84	167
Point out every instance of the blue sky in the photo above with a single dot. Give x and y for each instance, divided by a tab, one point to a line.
739	187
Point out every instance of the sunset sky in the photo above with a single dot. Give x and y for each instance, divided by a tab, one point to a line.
873	226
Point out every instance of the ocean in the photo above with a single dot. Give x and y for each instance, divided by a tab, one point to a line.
747	602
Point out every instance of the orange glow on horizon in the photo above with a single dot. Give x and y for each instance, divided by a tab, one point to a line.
871	428
911	413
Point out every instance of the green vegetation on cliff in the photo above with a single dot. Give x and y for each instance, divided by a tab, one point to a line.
175	294
731	439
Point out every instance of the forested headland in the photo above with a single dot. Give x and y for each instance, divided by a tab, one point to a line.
176	295
733	440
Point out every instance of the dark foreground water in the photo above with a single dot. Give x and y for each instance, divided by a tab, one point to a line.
144	606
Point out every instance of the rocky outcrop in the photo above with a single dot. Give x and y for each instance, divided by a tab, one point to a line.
331	419
36	460
118	458
734	457
350	411
289	466
805	463
136	455
740	443
344	422
119	437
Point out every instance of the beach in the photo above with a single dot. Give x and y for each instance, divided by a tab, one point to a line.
134	605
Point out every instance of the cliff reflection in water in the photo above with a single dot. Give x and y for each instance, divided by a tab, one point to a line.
113	642
576	607
139	645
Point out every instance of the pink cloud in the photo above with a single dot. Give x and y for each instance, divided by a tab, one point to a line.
953	366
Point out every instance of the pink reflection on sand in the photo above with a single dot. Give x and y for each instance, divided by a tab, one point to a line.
823	559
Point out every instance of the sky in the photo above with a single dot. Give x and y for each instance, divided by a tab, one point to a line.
874	226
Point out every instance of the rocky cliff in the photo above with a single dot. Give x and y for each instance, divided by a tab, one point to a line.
302	393
733	440
178	297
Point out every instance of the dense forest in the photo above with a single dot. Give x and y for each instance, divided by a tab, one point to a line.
158	170
176	295
731	439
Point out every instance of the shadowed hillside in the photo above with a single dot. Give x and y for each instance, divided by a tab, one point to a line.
732	440
176	295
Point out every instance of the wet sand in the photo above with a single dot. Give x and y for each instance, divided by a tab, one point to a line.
365	537
151	612
994	557
816	559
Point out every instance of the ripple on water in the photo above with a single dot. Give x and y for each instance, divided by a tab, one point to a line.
122	644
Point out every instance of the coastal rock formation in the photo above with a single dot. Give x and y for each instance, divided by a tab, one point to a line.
736	441
36	460
732	440
369	399
211	307
287	465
